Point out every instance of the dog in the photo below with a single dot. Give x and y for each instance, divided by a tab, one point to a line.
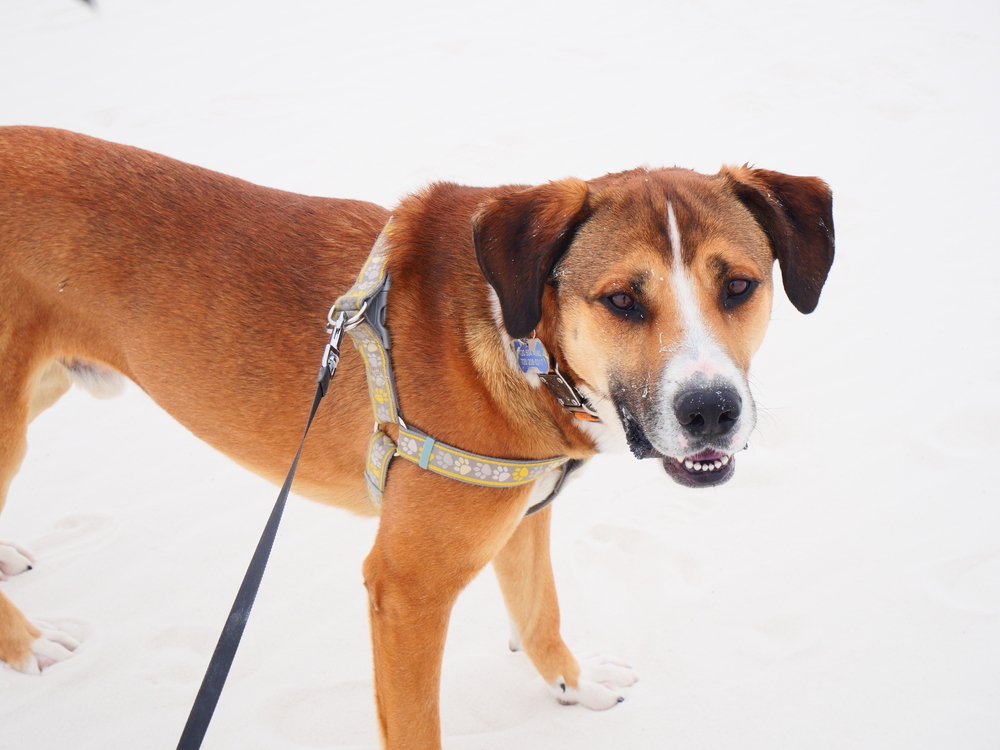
650	290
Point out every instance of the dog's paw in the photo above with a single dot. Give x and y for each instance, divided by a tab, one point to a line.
515	638
599	685
51	646
13	560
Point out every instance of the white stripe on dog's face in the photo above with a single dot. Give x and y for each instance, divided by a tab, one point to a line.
698	361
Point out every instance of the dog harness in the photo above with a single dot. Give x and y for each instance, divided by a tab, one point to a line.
361	313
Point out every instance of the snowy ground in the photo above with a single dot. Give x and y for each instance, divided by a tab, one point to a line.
842	592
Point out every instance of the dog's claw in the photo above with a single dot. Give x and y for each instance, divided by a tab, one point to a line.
14	559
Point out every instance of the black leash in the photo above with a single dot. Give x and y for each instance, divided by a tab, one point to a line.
232	633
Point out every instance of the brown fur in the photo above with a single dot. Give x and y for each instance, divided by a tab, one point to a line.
211	294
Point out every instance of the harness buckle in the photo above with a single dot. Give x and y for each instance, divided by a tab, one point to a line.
376	307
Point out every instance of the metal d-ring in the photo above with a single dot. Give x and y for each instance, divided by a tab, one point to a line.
342	321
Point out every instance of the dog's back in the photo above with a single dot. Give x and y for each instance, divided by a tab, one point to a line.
206	290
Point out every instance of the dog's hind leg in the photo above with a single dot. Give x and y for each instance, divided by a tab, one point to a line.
50	383
39	392
25	391
26	647
16	635
524	570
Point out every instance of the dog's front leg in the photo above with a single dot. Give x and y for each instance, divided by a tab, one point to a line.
435	535
524	569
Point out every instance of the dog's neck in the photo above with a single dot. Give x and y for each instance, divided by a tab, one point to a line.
471	354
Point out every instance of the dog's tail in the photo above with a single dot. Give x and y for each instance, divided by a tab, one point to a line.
97	380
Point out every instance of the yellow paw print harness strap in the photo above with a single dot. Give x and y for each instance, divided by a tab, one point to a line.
364	306
448	461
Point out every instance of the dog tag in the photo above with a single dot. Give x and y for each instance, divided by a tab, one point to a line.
531	355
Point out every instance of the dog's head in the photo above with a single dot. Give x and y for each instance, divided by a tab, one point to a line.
657	284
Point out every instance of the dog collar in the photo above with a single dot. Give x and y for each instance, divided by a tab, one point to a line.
365	305
532	358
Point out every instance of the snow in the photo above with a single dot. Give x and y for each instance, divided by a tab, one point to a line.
843	591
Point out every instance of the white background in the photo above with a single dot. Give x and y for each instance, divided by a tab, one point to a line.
843	591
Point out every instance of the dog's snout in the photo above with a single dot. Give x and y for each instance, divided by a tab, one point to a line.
708	412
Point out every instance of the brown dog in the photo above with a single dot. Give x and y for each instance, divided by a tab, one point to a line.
651	288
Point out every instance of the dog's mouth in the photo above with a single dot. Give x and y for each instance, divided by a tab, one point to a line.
705	469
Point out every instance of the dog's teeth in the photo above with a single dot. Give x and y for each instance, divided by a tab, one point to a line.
713	465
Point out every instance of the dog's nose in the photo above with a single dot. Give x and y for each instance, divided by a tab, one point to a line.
708	412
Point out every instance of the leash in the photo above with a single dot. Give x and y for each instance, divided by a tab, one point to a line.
225	651
361	312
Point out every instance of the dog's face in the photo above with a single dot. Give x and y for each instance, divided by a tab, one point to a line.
658	285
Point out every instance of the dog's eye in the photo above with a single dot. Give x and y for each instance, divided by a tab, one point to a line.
738	287
624	305
737	291
622	301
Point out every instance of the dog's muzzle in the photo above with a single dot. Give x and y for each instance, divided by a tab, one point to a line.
706	419
707	416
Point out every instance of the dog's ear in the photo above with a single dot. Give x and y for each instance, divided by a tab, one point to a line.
796	213
519	238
